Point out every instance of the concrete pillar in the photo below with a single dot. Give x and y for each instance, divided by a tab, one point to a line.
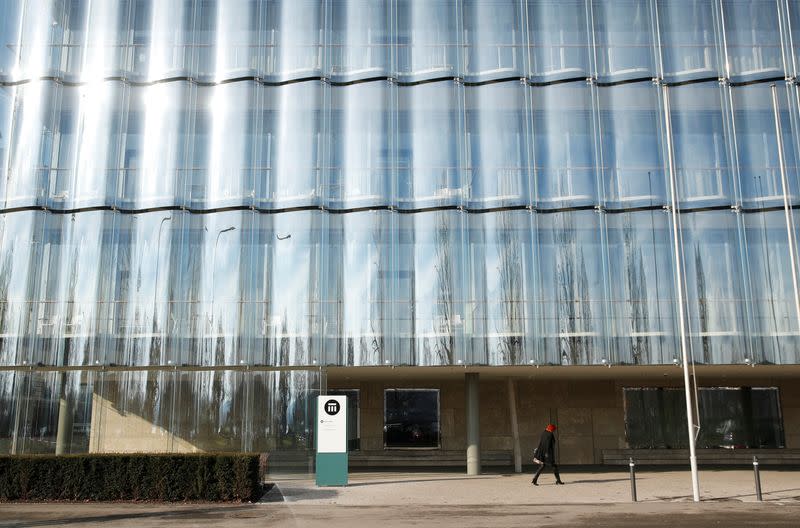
473	424
512	405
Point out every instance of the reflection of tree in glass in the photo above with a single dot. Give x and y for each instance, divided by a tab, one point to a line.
573	289
370	347
373	351
702	304
637	295
510	344
8	350
444	340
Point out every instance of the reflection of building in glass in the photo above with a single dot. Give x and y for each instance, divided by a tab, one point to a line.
210	210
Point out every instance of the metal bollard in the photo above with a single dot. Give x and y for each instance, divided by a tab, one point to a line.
757	476
633	479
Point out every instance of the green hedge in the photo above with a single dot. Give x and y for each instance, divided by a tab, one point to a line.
195	477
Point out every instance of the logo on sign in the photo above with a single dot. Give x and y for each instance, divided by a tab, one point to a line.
332	407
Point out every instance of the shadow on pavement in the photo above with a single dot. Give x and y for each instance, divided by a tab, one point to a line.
403	481
595	481
183	516
298	494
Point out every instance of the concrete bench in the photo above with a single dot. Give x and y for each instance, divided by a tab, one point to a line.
399	458
424	458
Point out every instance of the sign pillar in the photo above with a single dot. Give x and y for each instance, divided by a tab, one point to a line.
331	440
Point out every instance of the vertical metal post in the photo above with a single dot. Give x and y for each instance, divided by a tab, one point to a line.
757	476
786	206
679	278
633	479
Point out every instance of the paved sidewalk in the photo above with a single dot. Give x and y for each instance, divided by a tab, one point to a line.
600	499
585	487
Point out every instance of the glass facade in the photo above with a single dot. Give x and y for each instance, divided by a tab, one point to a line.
193	188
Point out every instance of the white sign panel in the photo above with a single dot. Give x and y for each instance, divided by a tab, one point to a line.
332	424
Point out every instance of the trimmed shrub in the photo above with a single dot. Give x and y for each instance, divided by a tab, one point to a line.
193	477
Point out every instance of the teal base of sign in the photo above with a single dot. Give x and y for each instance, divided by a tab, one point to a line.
331	469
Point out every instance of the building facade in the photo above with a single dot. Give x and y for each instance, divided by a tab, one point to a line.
214	210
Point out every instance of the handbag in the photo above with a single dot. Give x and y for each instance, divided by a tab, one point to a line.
535	458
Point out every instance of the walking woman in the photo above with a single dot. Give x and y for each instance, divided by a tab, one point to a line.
545	453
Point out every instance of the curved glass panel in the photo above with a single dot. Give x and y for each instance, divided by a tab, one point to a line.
227	39
428	146
20	255
288	144
497	143
70	319
207	294
775	334
700	141
51	39
162	39
86	148
359	167
32	136
429	309
631	123
11	406
293	39
155	156
60	146
212	409
564	139
107	48
427	39
122	401
559	41
623	36
499	321
689	40
8	96
571	289
10	39
161	411
222	144
286	422
358	286
494	41
794	37
714	287
359	39
757	147
146	269
35	422
753	39
286	290
643	294
69	33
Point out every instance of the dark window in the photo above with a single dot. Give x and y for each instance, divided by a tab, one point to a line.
730	417
411	418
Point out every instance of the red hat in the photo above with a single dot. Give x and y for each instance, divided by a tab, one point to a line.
550	427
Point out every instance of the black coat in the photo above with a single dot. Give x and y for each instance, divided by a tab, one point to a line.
546	450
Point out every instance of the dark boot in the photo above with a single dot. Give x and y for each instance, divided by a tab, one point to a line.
536	475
